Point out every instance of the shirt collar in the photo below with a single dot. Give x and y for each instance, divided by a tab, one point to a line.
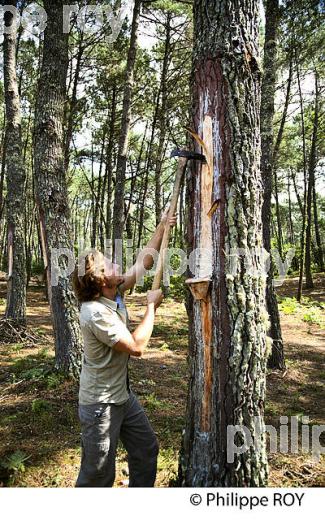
111	304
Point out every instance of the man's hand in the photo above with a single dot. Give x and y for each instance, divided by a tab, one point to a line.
156	297
164	218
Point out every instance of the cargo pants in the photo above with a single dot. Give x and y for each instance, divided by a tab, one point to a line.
102	425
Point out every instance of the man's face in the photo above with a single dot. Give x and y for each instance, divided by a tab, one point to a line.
113	274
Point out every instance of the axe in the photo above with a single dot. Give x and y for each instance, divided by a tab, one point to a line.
183	157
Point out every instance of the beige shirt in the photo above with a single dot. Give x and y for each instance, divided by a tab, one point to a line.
103	376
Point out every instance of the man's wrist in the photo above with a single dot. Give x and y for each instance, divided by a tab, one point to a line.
151	307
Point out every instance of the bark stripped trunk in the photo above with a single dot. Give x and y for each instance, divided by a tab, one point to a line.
272	16
50	186
118	213
16	177
227	338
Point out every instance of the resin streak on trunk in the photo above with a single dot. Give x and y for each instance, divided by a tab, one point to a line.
227	381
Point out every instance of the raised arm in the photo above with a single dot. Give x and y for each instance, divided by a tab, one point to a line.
145	261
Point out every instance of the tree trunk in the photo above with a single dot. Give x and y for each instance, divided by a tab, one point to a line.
284	114
272	17
304	207
2	168
319	250
16	177
109	166
278	215
311	182
227	337
51	189
118	213
72	106
162	119
291	232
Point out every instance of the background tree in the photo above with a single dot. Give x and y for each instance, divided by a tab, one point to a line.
118	216
272	16
16	176
51	190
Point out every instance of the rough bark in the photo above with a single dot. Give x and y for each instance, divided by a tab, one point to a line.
16	177
51	189
118	212
227	337
272	17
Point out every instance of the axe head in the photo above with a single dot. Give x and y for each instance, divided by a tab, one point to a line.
189	155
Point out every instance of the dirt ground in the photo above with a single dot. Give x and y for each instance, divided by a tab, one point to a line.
39	429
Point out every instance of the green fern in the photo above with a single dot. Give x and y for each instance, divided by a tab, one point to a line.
16	461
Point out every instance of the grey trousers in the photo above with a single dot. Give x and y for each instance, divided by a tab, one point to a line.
102	425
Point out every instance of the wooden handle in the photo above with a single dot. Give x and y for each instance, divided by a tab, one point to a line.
172	210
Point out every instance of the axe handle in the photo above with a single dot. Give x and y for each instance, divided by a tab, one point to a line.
182	161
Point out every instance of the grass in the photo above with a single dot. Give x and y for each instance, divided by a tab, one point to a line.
310	311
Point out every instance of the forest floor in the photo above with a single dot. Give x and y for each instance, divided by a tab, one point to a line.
39	428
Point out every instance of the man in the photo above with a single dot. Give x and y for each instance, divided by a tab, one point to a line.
108	409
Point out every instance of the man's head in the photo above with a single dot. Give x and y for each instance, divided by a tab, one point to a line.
96	276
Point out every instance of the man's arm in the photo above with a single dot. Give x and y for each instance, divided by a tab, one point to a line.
134	343
145	261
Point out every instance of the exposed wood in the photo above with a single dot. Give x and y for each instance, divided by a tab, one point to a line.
226	90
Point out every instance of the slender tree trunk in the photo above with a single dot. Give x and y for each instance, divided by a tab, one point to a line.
73	105
275	156
311	183
284	113
2	168
97	203
278	215
148	162
16	176
303	231
301	208
227	337
118	215
109	166
51	189
272	17
162	119
319	251
291	232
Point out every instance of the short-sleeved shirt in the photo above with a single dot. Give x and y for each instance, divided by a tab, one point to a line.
104	373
